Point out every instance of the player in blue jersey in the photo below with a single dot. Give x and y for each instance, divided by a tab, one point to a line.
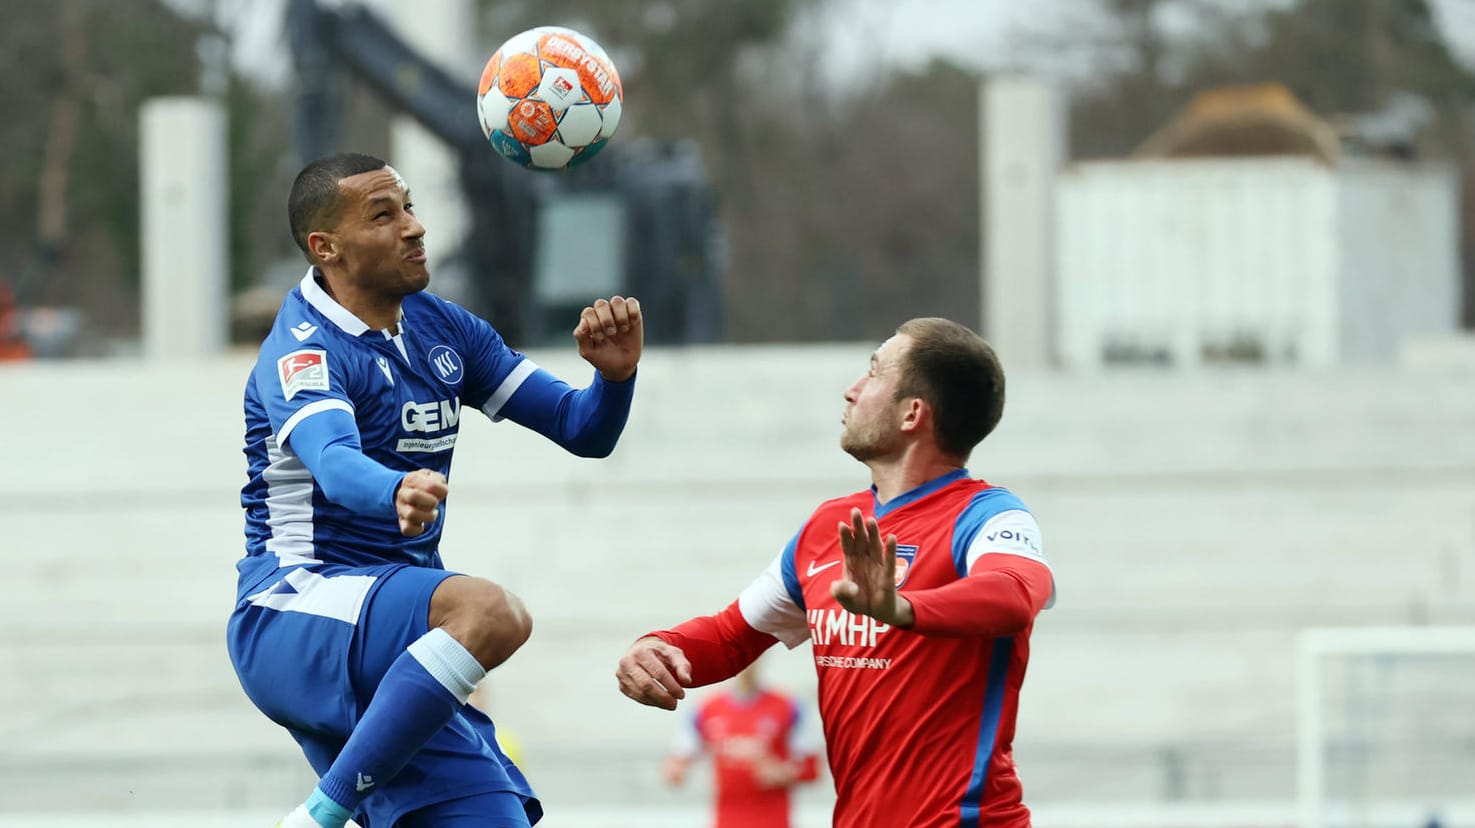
347	629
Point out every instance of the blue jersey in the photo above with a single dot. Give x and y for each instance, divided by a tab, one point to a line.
406	394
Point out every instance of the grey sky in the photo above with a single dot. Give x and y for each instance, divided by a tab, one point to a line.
980	33
856	33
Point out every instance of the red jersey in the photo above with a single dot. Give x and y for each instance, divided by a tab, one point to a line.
918	722
739	732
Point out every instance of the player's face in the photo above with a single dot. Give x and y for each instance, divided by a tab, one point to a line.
381	243
872	413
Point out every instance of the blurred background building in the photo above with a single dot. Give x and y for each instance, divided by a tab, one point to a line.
1225	247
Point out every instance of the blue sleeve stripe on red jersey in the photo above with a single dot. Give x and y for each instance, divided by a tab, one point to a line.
796	724
791	573
984	505
988	731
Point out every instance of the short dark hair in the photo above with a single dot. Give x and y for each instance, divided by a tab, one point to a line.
316	201
958	374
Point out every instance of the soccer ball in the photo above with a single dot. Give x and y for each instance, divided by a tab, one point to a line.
549	98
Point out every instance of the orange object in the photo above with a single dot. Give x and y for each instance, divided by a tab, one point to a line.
12	344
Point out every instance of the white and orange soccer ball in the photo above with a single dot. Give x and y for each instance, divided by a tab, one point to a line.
549	98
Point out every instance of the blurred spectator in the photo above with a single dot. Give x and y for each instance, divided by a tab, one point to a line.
12	345
507	740
762	743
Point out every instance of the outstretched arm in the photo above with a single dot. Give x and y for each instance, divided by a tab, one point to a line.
658	667
1001	595
587	421
999	598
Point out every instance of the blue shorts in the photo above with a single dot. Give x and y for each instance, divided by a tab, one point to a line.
310	649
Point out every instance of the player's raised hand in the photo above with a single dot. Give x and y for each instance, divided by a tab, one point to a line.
654	673
611	335
869	584
417	500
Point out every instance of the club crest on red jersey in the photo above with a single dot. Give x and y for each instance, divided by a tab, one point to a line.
906	554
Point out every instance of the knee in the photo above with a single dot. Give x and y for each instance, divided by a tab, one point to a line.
489	620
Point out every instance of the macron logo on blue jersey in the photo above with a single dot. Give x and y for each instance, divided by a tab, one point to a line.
447	364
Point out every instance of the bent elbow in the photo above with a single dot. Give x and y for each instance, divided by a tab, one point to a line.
593	450
1017	619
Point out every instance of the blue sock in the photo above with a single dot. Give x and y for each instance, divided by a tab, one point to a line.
419	693
325	811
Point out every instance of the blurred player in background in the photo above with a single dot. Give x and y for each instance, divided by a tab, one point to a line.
507	740
917	594
348	630
761	745
12	343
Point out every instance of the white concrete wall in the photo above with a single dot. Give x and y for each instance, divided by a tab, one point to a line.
1319	265
1173	255
1022	134
443	32
1398	266
1196	522
183	234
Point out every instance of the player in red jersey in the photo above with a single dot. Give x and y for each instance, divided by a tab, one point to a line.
760	747
918	596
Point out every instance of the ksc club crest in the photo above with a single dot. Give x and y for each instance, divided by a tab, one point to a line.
905	556
447	364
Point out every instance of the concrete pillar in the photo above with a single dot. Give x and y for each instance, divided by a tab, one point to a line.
442	32
183	184
1022	131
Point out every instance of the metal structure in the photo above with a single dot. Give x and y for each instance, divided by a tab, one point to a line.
671	250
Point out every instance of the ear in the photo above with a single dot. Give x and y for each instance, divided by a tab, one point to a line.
322	246
917	412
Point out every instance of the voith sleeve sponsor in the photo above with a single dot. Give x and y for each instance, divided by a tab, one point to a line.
1014	532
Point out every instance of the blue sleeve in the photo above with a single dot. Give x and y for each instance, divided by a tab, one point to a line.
327	443
789	572
493	370
983	506
586	421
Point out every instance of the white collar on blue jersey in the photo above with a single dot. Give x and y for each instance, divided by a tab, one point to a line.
329	307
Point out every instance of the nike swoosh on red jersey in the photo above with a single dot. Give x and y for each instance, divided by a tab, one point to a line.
814	570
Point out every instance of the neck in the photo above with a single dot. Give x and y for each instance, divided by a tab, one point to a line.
899	474
378	311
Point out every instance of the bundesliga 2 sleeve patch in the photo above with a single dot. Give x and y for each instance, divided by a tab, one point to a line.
305	370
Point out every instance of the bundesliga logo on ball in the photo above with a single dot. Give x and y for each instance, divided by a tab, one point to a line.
549	98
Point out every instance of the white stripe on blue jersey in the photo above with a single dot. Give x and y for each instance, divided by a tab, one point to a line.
508	387
405	392
288	506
